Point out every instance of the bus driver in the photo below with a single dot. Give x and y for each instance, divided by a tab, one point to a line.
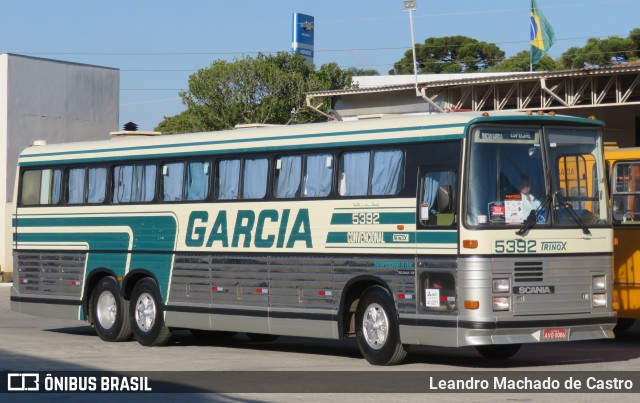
529	202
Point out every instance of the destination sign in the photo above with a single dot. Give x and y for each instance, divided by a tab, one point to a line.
507	135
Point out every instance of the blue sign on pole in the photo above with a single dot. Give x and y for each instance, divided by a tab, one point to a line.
302	36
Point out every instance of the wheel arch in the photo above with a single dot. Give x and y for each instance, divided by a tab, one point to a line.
131	278
351	294
92	281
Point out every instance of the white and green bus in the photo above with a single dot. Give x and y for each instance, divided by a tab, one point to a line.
395	231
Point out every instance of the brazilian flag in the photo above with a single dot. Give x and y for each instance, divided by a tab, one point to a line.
542	35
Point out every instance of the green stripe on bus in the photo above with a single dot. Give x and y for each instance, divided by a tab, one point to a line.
426	237
150	234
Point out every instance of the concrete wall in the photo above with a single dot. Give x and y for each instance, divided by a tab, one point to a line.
50	100
5	251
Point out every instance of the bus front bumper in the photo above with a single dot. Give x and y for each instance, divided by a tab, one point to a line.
540	330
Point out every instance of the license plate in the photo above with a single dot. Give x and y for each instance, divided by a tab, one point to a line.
555	334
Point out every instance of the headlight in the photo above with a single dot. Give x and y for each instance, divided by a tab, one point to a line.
599	300
598	283
501	303
501	285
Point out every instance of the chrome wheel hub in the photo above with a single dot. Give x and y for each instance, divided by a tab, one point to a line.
375	326
145	312
106	310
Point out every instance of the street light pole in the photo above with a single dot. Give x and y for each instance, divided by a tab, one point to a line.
411	6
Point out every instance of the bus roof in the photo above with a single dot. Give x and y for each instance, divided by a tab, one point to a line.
628	153
403	129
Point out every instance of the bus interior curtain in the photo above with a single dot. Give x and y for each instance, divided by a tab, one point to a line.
172	181
197	185
255	178
387	172
229	172
317	180
355	178
289	175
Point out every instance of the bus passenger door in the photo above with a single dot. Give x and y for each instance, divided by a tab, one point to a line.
437	239
625	190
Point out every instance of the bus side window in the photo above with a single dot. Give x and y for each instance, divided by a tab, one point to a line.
388	172
317	175
196	185
41	187
354	173
254	178
288	173
437	198
626	192
439	290
377	173
134	183
75	186
96	185
172	180
228	182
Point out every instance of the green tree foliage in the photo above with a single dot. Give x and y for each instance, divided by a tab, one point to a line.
450	54
265	89
362	72
600	53
634	35
521	62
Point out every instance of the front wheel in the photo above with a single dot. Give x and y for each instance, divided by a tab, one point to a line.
108	311
147	314
377	328
498	351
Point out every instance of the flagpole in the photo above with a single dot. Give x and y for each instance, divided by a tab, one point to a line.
530	51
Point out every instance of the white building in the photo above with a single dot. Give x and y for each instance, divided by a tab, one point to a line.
48	100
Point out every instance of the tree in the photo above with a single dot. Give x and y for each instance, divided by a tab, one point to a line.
184	122
265	89
600	53
450	54
522	62
362	72
634	35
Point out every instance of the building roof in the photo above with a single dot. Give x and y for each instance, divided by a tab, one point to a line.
536	90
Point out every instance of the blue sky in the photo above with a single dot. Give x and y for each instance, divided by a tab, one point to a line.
157	44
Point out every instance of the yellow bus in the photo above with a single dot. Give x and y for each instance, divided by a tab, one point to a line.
456	229
624	167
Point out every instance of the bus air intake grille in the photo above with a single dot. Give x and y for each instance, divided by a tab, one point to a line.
526	272
51	273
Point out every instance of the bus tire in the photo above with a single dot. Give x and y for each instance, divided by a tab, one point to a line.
108	311
498	351
262	337
147	314
377	330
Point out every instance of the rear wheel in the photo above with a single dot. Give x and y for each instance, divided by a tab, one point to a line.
377	328
147	314
498	351
108	311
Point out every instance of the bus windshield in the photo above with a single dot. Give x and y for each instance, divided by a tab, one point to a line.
514	174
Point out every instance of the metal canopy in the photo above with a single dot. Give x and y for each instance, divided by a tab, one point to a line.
521	91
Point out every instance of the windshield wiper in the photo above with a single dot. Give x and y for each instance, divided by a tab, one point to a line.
567	206
532	219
